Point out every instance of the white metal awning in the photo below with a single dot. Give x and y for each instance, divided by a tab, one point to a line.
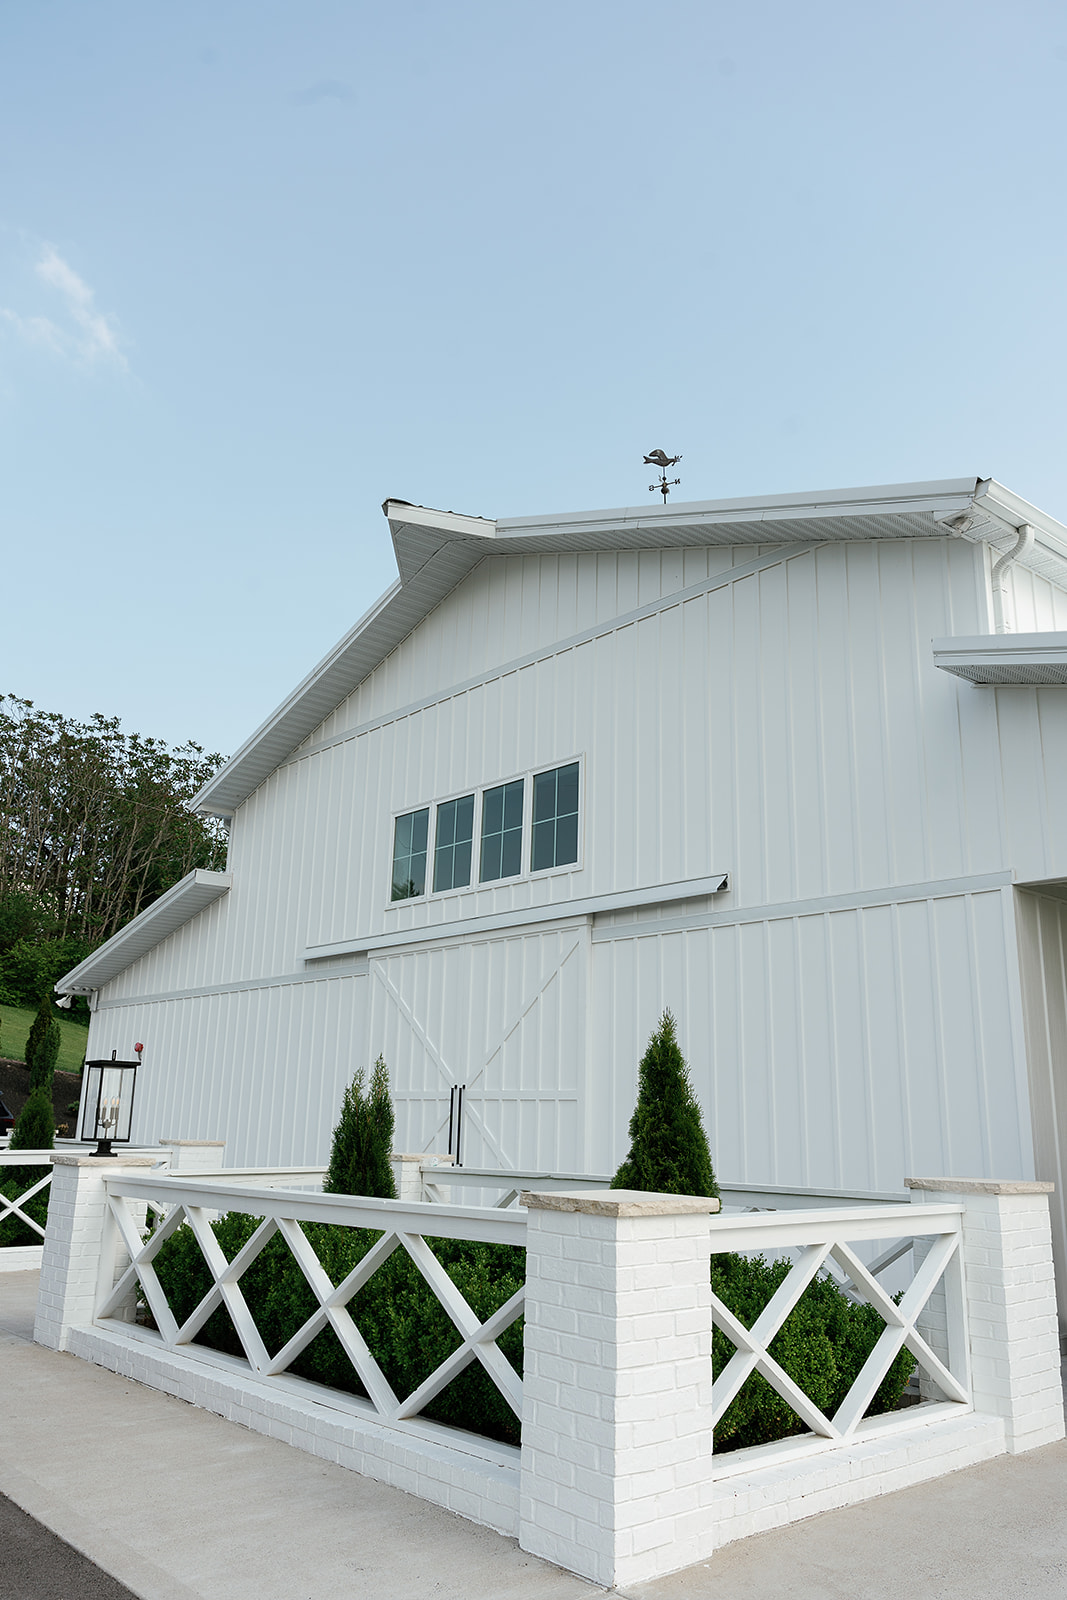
1005	658
196	891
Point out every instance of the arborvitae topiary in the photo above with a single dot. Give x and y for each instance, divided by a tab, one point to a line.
39	1028
360	1157
43	1066
668	1146
35	1124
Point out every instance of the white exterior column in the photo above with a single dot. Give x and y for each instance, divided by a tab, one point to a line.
81	1252
616	1428
193	1155
1010	1292
407	1173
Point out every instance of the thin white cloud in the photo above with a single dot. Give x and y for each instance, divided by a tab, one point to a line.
98	336
36	330
89	334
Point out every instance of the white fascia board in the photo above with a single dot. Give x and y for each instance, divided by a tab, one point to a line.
940	497
522	917
1004	658
185	900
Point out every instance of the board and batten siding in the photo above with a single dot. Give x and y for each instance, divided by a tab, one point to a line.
839	1048
263	1067
771	714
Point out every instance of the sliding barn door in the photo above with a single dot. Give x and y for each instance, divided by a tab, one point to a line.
504	1017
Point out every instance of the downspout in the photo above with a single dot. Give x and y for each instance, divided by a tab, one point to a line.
1022	545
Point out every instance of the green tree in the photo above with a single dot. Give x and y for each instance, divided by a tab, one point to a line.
94	826
668	1146
360	1156
43	1070
35	1124
38	1031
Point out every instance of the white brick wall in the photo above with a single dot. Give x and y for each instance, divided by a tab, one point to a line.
616	1479
1011	1303
616	1450
76	1243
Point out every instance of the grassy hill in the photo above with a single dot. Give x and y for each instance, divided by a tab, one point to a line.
15	1023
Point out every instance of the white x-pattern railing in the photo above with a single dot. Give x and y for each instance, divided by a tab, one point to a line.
822	1241
403	1226
13	1207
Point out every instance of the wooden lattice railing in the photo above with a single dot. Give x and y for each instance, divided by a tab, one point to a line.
195	1202
14	1207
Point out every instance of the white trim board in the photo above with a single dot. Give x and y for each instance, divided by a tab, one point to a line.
356	968
857	900
526	916
558	647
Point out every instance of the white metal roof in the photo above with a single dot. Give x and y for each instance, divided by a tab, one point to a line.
435	550
184	900
1005	658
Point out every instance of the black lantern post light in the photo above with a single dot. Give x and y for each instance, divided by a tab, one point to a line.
108	1105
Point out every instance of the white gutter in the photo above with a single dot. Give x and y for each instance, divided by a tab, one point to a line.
1022	546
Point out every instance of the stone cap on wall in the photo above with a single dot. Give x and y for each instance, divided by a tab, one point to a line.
981	1185
618	1203
105	1161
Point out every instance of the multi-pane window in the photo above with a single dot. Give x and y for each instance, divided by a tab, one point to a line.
453	844
434	847
555	818
409	854
502	831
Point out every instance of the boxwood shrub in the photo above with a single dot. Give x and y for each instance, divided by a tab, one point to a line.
14	1181
822	1345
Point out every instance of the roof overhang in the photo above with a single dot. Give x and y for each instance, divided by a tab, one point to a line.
1005	658
435	550
196	891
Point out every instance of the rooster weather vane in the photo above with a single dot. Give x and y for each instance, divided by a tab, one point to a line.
660	459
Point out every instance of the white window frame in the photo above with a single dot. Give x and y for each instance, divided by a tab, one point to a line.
525	872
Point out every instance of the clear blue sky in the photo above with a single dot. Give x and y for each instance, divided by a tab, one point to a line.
264	264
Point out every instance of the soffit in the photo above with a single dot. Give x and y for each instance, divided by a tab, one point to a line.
196	891
1005	658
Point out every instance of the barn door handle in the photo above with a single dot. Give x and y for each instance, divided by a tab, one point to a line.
455	1118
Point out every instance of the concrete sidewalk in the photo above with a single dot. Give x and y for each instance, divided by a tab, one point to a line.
180	1505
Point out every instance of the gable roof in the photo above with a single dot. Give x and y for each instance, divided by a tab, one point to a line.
435	550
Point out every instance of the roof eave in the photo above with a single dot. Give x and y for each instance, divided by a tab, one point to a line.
182	901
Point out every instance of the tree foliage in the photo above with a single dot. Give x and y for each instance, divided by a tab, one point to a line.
360	1157
94	826
35	1124
668	1146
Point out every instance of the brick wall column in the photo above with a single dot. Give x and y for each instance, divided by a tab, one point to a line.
81	1251
616	1427
407	1173
1010	1290
193	1155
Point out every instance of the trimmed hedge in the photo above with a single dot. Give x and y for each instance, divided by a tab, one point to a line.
13	1182
405	1327
823	1344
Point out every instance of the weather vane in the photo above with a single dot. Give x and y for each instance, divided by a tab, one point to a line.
660	459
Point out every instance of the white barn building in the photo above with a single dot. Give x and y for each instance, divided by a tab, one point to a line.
794	767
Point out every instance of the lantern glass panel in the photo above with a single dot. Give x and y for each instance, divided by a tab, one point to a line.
108	1105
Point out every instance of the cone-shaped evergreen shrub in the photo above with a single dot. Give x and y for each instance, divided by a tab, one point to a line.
360	1157
668	1146
39	1028
35	1124
43	1066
